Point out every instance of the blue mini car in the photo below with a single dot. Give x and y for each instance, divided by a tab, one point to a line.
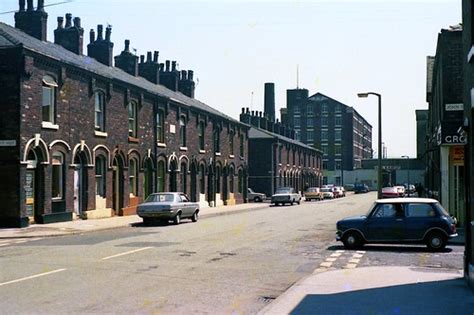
399	221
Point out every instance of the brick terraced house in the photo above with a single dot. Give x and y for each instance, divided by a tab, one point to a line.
80	138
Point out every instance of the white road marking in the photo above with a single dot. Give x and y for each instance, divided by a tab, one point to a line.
127	253
336	254
326	264
331	259
32	277
20	242
351	266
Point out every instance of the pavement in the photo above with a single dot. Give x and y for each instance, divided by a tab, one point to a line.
363	290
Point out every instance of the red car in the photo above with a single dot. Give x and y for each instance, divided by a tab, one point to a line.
390	192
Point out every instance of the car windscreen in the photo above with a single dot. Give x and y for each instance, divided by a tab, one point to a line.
283	191
370	209
326	190
160	198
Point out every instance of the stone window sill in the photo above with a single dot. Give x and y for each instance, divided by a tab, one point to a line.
202	151
102	134
218	154
231	156
161	145
183	148
133	139
48	125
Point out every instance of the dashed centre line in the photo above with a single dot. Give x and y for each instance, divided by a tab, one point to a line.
127	253
33	277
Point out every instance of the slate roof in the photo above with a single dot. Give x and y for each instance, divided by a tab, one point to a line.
11	37
257	133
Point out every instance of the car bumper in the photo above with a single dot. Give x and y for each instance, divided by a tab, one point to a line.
453	235
338	236
158	215
280	199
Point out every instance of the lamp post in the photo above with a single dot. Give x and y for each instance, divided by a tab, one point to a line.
379	171
408	172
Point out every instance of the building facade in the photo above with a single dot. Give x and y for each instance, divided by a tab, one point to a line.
445	139
342	134
82	138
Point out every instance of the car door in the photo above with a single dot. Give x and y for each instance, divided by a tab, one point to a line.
420	217
185	205
386	223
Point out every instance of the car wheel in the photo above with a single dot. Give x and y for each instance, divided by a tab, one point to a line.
147	221
299	202
177	219
257	199
292	202
436	241
195	216
352	240
308	199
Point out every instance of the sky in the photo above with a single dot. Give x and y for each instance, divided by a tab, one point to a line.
339	47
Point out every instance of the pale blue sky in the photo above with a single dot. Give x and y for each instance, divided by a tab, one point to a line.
234	47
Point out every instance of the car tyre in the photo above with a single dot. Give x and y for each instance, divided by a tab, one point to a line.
292	202
299	202
436	241
352	240
195	216
177	219
147	221
257	199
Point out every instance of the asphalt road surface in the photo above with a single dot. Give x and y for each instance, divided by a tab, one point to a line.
235	263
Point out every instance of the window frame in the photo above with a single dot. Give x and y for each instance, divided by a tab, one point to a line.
59	180
182	131
49	84
100	176
99	111
161	180
133	177
132	109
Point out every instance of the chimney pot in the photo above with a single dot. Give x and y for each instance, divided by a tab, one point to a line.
22	5
108	32
253	113
184	75
60	22
100	29
173	66
243	110
190	75
155	56
77	22
148	57
68	20
92	35
127	45
142	58
167	65
40	5
162	67
29	5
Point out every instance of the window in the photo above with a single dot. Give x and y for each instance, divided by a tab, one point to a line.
310	136
297	121
161	176
99	100
325	165
217	141
296	109
385	211
57	190
337	150
324	108
337	108
49	99
338	121
202	134
182	131
231	143
132	119
338	165
324	135
132	175
324	121
420	210
310	122
100	176
242	145
184	174
240	183
160	127
337	134
310	110
202	179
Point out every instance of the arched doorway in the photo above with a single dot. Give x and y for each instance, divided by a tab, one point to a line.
80	183
148	179
117	166
194	171
34	185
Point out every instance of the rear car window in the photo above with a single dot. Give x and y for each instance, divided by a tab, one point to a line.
419	210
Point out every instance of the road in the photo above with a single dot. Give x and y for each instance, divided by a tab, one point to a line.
224	264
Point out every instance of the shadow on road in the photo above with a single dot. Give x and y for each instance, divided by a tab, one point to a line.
392	249
439	297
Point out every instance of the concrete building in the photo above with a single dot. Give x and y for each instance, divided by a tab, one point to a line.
80	138
343	135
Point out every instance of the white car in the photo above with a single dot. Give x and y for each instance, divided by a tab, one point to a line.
327	193
286	195
256	197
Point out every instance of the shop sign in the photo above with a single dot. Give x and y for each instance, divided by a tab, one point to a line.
457	155
451	134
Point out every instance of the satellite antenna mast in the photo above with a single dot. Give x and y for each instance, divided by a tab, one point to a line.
297	77
251	100
46	5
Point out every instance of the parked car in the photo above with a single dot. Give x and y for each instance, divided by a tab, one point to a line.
342	190
401	191
313	193
285	195
361	189
390	192
399	221
327	193
168	206
336	192
257	197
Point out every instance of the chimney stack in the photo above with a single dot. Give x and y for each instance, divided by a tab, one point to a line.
186	84
150	69
269	101
70	37
100	49
127	61
169	78
33	23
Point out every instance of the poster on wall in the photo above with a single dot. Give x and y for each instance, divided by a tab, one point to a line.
29	193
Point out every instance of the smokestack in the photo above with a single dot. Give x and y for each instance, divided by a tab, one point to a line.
269	101
108	32
40	5
68	20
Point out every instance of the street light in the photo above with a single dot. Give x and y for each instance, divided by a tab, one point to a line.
379	173
408	172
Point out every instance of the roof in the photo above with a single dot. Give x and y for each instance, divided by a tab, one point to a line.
407	200
12	37
257	133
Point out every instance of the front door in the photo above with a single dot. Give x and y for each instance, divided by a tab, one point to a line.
117	185
30	193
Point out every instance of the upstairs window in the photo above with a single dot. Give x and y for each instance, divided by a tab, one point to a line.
242	141
202	134
182	131
132	119
160	127
231	143
217	141
99	101
49	100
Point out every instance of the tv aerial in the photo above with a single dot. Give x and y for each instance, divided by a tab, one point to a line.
46	5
